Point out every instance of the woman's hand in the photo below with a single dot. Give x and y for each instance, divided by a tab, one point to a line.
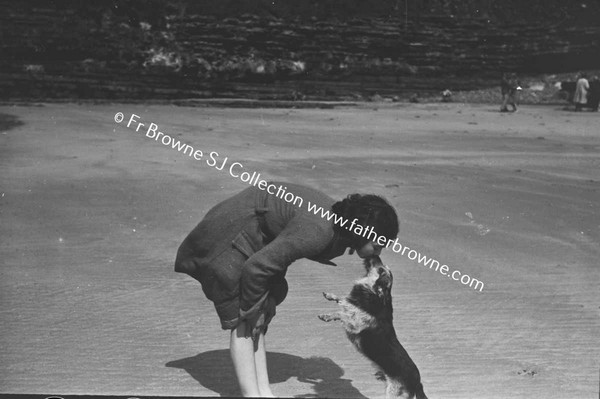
258	322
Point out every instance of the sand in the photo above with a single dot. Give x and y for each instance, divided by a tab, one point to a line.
92	213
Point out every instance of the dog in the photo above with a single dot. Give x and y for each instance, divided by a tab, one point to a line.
367	314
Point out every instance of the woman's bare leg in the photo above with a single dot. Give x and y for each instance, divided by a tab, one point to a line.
242	355
262	374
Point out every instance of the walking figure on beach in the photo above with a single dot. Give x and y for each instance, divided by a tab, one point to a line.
509	86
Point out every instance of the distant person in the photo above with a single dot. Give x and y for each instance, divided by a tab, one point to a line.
581	92
446	96
593	100
504	88
509	86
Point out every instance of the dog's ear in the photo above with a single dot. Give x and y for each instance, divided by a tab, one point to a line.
384	294
383	287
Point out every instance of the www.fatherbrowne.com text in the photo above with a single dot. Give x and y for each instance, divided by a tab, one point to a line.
236	169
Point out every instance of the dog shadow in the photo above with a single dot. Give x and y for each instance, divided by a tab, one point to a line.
214	371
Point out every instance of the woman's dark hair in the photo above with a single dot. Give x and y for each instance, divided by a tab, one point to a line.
370	211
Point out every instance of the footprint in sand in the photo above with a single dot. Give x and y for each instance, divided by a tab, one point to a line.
481	229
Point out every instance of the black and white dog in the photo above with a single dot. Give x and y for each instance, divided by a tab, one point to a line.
366	314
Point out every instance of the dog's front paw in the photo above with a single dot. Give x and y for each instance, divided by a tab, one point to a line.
326	317
331	297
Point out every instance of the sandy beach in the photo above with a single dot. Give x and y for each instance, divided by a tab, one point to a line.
92	213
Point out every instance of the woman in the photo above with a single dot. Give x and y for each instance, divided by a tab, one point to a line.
509	86
242	248
581	92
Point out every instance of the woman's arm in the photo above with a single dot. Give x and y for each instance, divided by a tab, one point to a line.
303	237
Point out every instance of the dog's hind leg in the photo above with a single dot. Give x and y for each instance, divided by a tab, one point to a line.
332	297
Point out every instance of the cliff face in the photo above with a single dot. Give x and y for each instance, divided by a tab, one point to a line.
150	49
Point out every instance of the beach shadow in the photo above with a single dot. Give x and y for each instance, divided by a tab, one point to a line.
214	371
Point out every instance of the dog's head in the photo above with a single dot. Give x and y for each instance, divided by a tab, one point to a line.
374	291
379	276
